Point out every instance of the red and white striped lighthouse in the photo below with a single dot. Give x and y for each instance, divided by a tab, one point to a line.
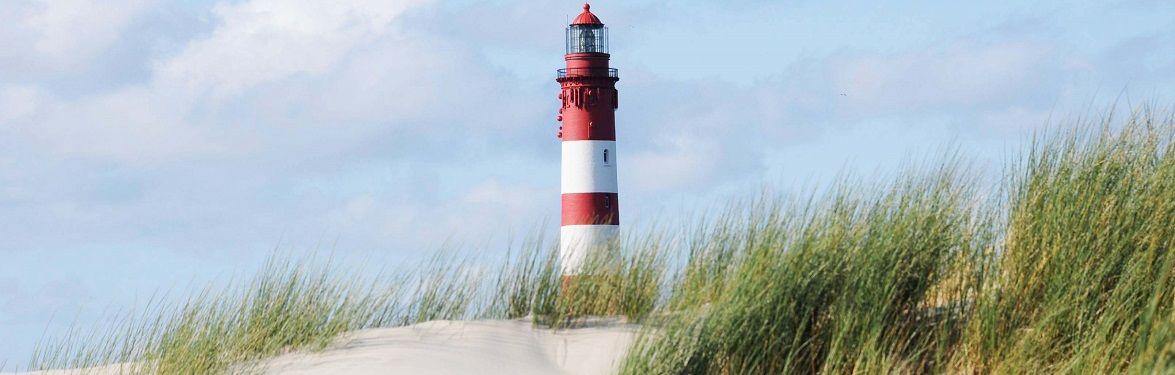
588	132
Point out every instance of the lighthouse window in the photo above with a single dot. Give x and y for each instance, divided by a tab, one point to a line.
587	38
607	202
605	156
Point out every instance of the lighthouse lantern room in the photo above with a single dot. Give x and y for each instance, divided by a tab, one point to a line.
590	217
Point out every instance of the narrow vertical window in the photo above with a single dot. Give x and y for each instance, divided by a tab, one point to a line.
607	201
605	156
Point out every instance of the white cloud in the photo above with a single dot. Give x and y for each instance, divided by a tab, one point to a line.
677	162
265	40
19	101
273	77
62	34
277	93
133	125
960	74
474	215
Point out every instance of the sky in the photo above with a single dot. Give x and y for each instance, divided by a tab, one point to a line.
150	147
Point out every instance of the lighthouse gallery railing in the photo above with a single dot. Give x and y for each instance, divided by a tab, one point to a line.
587	72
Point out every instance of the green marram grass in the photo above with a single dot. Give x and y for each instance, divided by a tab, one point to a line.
1084	281
1063	266
849	282
1066	269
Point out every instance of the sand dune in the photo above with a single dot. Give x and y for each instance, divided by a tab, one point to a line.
457	347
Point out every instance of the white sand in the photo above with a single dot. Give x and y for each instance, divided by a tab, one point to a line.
455	347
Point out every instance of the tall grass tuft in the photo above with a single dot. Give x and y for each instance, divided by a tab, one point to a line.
288	306
836	284
620	279
1066	269
1084	282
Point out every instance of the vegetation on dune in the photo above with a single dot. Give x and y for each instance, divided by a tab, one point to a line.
288	306
843	283
1068	271
1084	282
1065	268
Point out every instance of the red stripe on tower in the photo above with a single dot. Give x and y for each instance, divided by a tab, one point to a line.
589	100
590	209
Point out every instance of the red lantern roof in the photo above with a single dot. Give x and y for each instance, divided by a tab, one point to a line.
586	18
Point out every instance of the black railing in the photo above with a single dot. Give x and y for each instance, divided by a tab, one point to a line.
587	72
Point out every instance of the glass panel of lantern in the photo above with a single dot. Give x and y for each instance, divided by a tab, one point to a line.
587	38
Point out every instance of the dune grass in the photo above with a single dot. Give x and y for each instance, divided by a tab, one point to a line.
841	283
1067	271
288	306
1062	268
1084	281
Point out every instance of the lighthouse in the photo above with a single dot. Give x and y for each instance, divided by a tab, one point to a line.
590	217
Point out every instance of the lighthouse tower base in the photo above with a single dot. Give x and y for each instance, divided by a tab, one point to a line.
576	242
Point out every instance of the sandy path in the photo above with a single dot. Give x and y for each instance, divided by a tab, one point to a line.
477	347
457	347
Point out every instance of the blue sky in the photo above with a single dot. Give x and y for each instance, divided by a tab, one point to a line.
149	146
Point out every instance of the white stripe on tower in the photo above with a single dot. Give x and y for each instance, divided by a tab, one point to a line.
589	167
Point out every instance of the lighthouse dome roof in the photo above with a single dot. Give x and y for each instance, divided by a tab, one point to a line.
587	18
